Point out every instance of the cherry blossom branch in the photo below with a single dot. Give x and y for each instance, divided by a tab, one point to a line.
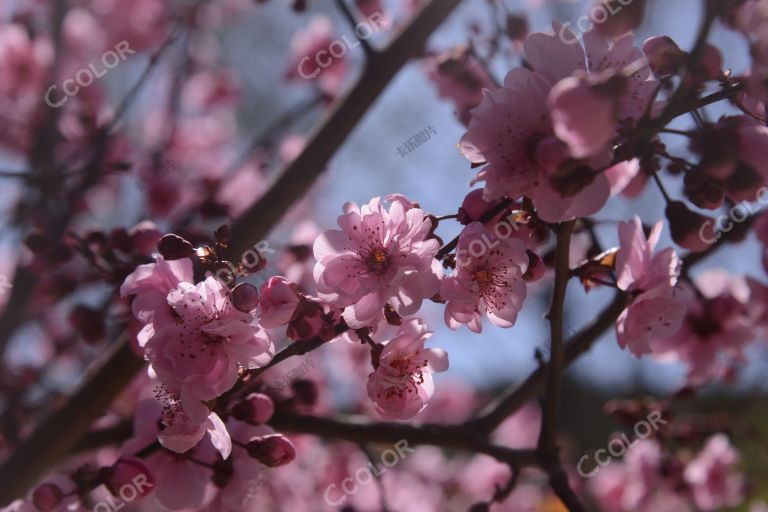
350	17
55	437
554	370
359	430
518	395
24	281
299	175
547	449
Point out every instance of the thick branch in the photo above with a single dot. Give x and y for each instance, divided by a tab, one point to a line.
299	175
362	431
56	436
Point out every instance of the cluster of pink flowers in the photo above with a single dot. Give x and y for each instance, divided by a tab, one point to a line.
584	120
540	130
650	479
196	341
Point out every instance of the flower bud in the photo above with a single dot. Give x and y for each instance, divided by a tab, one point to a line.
130	471
474	207
517	26
536	267
618	18
173	247
144	237
702	191
686	226
47	497
244	297
279	300
256	409
272	450
663	54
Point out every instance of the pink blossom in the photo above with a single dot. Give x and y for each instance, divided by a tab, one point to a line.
716	328
379	256
584	110
187	422
712	476
179	482
655	309
488	279
310	60
402	384
194	338
151	284
279	300
142	23
23	61
201	350
459	77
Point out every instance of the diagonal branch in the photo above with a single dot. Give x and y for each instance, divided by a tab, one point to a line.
56	436
296	179
518	395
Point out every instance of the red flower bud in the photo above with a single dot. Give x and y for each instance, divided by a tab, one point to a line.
273	450
245	297
256	409
130	472
47	497
663	54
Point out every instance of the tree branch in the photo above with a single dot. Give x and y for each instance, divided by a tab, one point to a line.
64	428
360	430
299	175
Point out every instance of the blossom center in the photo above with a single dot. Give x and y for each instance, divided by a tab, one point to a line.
378	260
482	277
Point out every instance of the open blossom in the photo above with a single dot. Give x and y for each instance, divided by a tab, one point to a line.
402	384
179	483
655	308
584	110
512	127
459	77
488	280
712	476
379	256
194	338
718	326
